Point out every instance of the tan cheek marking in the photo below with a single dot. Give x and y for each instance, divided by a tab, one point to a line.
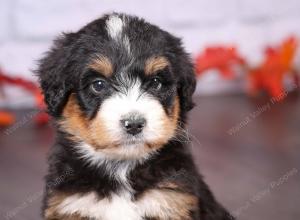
171	204
154	64
102	65
169	126
73	120
101	136
75	123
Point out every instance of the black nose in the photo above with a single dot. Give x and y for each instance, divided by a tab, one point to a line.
133	126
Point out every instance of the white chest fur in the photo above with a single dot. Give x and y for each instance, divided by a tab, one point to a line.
89	205
163	204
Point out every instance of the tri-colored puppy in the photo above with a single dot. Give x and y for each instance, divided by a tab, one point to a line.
119	90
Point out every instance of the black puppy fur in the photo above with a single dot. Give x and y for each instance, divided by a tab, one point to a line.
63	72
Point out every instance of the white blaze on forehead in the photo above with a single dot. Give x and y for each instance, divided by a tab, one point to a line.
114	26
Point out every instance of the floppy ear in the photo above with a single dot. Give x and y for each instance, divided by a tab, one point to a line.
186	83
55	75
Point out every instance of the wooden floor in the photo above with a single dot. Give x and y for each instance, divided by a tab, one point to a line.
248	151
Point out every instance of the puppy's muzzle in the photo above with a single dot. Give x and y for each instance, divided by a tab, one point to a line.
133	124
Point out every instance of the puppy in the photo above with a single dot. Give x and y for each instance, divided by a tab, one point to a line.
119	91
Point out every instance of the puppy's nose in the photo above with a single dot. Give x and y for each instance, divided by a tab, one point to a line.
133	125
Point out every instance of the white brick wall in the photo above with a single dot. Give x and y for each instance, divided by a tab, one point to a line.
255	10
27	27
4	20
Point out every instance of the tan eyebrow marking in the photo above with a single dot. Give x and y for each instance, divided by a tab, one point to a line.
154	64
102	65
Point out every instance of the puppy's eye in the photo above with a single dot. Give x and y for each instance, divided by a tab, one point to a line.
156	83
98	86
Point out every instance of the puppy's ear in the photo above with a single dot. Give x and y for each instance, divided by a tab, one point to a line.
186	83
55	75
